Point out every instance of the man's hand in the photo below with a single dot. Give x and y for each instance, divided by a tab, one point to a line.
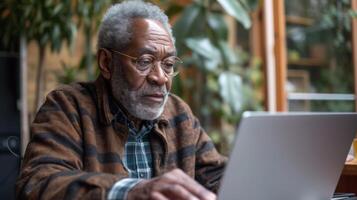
172	185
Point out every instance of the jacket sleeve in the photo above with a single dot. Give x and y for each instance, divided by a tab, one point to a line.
209	163
53	167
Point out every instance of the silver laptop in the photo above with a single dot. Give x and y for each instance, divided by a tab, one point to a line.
288	156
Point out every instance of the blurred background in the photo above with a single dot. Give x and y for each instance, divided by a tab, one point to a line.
258	55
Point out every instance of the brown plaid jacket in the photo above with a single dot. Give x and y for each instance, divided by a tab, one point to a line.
76	147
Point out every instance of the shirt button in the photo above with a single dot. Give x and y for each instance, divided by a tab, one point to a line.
141	175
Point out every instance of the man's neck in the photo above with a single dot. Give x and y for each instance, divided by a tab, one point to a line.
137	123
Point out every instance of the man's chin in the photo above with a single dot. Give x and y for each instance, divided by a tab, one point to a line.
152	102
149	113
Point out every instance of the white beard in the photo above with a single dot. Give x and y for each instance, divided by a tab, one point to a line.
133	102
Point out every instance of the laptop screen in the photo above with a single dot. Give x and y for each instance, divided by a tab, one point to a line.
288	156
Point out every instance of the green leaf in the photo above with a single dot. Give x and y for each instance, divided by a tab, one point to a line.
48	3
231	90
251	4
212	83
204	48
218	25
56	32
352	13
228	53
57	9
72	35
173	9
43	40
184	24
235	9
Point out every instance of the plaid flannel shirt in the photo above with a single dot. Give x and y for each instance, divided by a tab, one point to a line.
137	157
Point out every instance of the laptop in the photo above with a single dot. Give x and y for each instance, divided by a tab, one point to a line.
288	156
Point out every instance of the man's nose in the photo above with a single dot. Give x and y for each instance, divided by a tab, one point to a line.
157	75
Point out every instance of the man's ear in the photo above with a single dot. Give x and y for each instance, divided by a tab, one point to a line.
104	59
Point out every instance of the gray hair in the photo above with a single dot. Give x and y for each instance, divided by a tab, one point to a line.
115	30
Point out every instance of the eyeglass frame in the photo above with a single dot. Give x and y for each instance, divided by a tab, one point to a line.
175	73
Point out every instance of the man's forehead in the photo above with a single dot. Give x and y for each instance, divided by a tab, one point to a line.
142	26
147	23
153	50
152	24
150	36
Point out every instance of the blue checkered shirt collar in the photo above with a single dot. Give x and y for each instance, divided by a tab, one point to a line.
121	117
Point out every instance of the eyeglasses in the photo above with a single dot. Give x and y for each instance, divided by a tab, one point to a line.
146	63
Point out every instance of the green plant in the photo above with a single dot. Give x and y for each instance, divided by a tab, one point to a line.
325	38
334	29
51	24
68	74
216	72
13	25
89	14
47	22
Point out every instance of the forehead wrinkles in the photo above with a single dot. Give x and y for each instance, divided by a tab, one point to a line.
159	37
160	42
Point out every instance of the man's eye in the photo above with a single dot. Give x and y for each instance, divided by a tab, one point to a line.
169	64
144	63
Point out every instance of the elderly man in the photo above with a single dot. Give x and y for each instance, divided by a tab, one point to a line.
123	136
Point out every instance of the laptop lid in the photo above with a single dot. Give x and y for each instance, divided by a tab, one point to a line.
295	156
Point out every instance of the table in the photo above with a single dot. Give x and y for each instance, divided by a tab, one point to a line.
348	179
350	168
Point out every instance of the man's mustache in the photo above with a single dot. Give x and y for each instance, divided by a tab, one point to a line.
153	90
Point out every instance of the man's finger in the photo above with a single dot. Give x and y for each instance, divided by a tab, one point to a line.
191	185
177	191
157	196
